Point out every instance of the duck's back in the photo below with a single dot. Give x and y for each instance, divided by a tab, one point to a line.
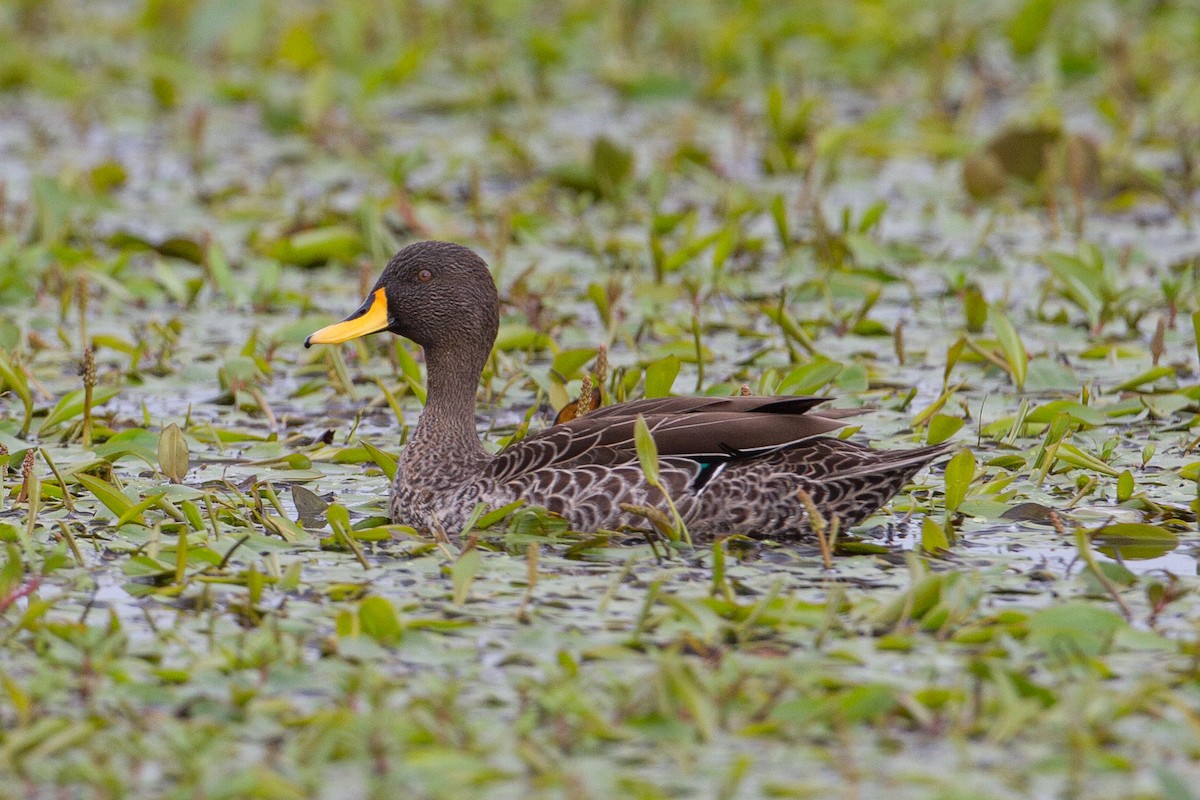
731	465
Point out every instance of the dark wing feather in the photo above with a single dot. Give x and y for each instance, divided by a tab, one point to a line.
795	404
693	427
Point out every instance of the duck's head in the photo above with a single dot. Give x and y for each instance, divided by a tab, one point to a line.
438	294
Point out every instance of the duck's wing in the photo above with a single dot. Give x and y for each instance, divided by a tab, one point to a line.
701	428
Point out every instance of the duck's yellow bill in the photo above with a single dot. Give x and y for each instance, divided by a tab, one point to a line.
371	317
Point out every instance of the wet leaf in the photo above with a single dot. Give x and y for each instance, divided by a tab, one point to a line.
12	379
71	406
660	376
960	471
385	461
309	506
1073	630
942	427
173	457
1011	344
463	573
1134	541
647	450
318	246
379	620
113	499
933	536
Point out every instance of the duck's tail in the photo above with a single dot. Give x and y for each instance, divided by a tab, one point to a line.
842	480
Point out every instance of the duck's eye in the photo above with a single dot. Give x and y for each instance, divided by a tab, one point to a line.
424	276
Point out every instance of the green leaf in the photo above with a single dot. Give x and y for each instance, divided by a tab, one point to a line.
220	273
309	506
1196	330
959	474
660	376
942	427
612	166
1125	486
239	373
779	216
647	450
567	363
933	536
1133	540
1076	411
1074	456
410	369
13	378
1149	376
320	245
975	309
811	377
134	512
71	406
953	354
338	516
112	498
1028	26
1073	629
137	442
518	336
173	458
1010	343
385	461
379	620
489	519
462	574
1083	283
867	702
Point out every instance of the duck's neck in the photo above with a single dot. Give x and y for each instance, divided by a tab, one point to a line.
447	425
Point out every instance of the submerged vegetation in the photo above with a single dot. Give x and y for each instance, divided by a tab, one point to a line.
975	220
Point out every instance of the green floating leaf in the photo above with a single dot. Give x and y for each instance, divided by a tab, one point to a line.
567	363
660	376
309	506
13	379
318	246
1074	629
385	461
173	457
933	536
112	498
1010	342
1133	540
960	471
1076	411
134	512
1125	486
1196	330
462	574
136	442
612	166
1149	376
810	378
517	336
942	427
1077	458
379	620
338	516
71	406
1029	512
1027	27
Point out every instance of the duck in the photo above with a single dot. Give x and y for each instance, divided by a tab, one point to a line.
761	466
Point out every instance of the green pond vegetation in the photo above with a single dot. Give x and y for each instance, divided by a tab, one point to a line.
977	221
